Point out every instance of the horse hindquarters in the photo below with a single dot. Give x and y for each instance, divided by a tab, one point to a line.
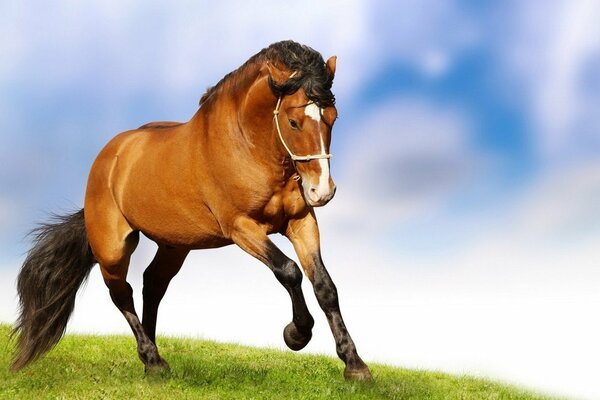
113	240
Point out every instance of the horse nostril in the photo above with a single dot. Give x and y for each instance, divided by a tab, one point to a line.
313	193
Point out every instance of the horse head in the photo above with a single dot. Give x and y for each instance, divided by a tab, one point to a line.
303	119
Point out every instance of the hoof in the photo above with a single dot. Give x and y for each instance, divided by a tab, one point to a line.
158	368
358	374
294	339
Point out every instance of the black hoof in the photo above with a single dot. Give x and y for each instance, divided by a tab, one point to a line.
294	339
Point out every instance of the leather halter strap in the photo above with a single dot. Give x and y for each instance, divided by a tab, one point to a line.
294	156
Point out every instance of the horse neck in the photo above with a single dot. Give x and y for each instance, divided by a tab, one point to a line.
246	113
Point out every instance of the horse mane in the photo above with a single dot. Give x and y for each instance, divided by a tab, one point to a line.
310	68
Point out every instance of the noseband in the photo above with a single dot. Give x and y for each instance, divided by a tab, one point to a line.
294	156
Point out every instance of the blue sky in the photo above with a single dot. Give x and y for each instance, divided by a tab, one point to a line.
467	159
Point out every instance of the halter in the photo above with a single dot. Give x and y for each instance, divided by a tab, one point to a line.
294	156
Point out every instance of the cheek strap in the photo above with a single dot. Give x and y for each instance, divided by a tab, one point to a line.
292	155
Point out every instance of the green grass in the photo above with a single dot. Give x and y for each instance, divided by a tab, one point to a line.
107	367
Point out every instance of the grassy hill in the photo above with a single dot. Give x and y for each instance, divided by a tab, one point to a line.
106	367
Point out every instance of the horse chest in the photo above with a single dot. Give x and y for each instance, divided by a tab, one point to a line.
284	204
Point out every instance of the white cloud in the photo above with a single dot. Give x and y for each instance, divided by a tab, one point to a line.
407	159
126	45
548	48
435	63
562	205
425	34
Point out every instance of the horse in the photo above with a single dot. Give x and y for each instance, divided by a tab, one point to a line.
252	161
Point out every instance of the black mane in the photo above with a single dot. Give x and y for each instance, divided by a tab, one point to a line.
310	68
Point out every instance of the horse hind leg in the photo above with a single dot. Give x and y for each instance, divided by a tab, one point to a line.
166	264
113	258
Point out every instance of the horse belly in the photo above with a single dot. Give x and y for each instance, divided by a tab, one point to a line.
169	221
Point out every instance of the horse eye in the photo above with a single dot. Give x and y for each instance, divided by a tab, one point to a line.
293	124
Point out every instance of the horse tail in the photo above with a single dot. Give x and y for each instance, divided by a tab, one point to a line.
58	263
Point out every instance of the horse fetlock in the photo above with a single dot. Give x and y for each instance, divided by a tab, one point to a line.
151	359
296	339
148	352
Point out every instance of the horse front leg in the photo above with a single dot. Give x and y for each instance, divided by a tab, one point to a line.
253	239
304	235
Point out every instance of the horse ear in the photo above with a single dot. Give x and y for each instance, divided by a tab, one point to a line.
277	75
331	65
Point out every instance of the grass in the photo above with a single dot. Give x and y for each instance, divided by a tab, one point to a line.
107	367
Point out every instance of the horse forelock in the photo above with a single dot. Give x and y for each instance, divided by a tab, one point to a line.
311	73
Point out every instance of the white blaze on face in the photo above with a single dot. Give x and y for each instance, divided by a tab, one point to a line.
313	111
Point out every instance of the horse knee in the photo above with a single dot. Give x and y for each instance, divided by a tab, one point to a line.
288	273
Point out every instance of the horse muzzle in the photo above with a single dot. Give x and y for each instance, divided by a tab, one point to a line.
318	195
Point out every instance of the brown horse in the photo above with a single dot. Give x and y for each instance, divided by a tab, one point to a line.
252	161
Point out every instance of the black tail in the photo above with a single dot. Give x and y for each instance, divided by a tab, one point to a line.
56	266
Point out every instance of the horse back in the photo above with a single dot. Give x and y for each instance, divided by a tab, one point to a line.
160	124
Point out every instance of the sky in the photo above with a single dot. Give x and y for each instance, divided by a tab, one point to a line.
464	233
